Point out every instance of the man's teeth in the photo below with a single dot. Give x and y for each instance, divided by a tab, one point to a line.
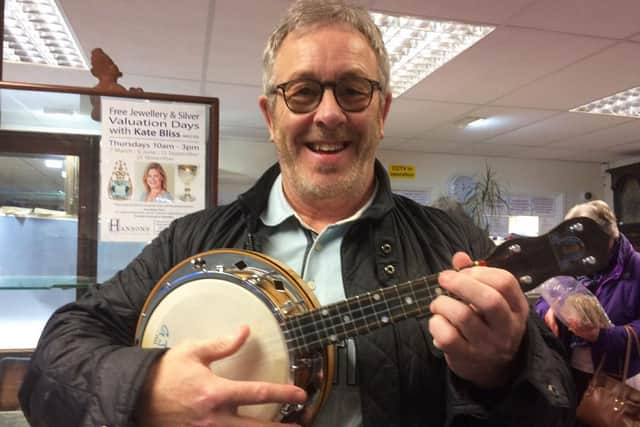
327	148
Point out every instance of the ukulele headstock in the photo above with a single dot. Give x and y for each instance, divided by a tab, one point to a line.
575	247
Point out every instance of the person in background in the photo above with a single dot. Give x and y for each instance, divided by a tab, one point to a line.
327	211
617	287
155	184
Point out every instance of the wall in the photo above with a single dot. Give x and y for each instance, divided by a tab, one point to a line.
521	177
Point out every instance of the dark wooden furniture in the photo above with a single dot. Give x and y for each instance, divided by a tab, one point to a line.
13	366
625	183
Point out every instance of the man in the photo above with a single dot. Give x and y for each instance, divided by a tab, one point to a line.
327	211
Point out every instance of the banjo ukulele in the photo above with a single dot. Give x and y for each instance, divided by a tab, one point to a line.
212	293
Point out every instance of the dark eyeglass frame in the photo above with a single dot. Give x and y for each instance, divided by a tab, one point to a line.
282	87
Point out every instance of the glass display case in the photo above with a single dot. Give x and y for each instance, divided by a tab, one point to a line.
58	145
625	183
73	172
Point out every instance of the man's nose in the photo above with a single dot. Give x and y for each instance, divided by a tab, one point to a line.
329	113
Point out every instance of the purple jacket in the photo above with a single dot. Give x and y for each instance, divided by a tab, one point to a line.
618	290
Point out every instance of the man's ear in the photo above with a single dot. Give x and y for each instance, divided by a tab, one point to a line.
263	102
384	112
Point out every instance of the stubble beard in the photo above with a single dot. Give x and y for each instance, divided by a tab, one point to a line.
328	182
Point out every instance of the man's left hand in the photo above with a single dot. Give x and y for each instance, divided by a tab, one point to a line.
480	333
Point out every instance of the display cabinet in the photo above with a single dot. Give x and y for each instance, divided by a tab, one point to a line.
73	164
625	183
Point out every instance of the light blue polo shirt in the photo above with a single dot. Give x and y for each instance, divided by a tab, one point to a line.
316	258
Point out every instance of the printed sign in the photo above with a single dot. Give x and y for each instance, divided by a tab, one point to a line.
152	166
402	171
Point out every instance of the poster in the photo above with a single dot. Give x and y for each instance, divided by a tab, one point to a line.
152	166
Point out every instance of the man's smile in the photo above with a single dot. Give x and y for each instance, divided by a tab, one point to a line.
330	148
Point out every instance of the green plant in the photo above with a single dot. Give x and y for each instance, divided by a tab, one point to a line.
487	198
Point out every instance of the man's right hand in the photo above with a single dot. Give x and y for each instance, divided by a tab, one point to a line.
181	389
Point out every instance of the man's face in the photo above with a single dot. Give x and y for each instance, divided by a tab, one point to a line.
326	153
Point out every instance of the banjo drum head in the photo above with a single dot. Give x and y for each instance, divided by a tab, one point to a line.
217	305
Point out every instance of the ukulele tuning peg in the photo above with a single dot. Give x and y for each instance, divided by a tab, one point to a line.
577	227
514	249
526	280
288	408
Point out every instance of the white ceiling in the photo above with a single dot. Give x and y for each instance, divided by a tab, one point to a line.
544	58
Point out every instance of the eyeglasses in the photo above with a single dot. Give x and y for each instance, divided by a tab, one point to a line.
353	94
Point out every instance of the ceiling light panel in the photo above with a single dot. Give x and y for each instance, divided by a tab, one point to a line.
35	31
623	104
417	47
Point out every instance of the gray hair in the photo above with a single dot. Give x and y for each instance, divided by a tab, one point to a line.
600	212
306	13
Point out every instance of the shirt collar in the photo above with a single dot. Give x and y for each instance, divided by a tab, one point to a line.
279	210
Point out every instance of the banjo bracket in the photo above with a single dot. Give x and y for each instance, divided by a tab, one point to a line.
199	264
292	306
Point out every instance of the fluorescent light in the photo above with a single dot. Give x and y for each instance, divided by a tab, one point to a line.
470	121
625	104
53	163
35	31
417	47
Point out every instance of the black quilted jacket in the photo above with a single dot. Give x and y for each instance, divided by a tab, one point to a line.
86	370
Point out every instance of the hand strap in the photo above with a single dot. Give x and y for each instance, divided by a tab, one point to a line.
631	335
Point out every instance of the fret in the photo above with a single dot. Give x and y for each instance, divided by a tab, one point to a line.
344	318
420	305
394	304
369	318
292	330
434	289
318	338
404	301
313	330
410	305
330	333
382	310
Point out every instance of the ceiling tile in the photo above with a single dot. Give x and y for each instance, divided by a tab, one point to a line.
495	150
408	117
505	60
618	19
499	120
165	39
568	154
610	71
430	146
560	127
238	104
629	149
473	11
237	40
605	138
